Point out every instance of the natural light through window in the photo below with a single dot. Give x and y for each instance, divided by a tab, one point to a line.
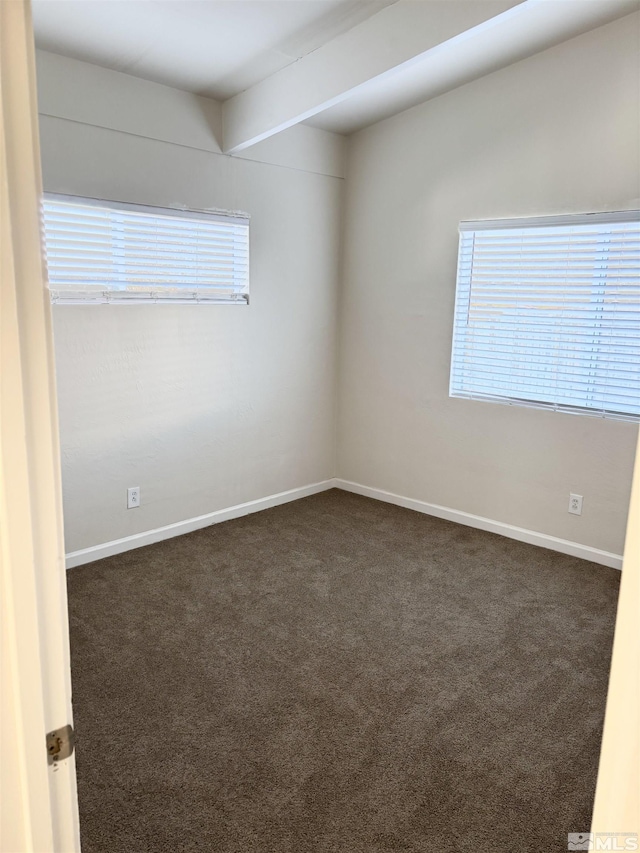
103	251
547	313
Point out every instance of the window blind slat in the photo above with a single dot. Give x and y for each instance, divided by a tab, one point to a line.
114	252
548	313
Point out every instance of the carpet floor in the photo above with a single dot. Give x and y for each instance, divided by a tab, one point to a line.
338	675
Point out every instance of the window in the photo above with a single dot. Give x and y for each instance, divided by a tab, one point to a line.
547	313
104	251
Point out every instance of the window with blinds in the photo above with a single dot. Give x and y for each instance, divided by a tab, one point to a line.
103	251
547	313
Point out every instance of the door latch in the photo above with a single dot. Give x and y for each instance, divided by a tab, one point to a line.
60	744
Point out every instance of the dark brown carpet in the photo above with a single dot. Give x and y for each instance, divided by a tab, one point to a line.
338	674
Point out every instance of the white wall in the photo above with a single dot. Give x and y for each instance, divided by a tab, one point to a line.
556	133
203	407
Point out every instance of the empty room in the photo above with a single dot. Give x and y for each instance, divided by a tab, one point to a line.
320	403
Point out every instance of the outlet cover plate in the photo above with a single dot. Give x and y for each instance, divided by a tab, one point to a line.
575	504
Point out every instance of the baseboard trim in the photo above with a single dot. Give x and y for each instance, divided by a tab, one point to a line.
137	540
521	534
532	537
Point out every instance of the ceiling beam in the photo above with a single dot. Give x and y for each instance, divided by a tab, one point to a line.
397	35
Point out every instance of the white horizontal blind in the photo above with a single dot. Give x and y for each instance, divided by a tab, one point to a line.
547	313
102	251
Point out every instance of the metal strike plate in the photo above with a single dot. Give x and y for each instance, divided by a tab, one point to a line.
60	744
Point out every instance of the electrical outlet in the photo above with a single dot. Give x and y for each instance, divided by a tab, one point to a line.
133	497
575	504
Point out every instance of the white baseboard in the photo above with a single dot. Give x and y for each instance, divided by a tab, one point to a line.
137	540
564	546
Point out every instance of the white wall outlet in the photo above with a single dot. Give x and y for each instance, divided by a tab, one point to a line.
575	504
133	497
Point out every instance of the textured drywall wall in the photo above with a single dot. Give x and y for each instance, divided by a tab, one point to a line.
556	133
203	407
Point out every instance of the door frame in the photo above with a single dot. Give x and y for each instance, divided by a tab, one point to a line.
39	800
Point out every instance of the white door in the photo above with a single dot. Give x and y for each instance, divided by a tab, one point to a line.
38	800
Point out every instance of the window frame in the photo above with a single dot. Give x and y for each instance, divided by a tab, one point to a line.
560	220
235	217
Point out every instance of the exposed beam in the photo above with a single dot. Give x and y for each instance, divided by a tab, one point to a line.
401	33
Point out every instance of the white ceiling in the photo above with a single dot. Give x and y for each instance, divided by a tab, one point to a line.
520	32
212	47
221	48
